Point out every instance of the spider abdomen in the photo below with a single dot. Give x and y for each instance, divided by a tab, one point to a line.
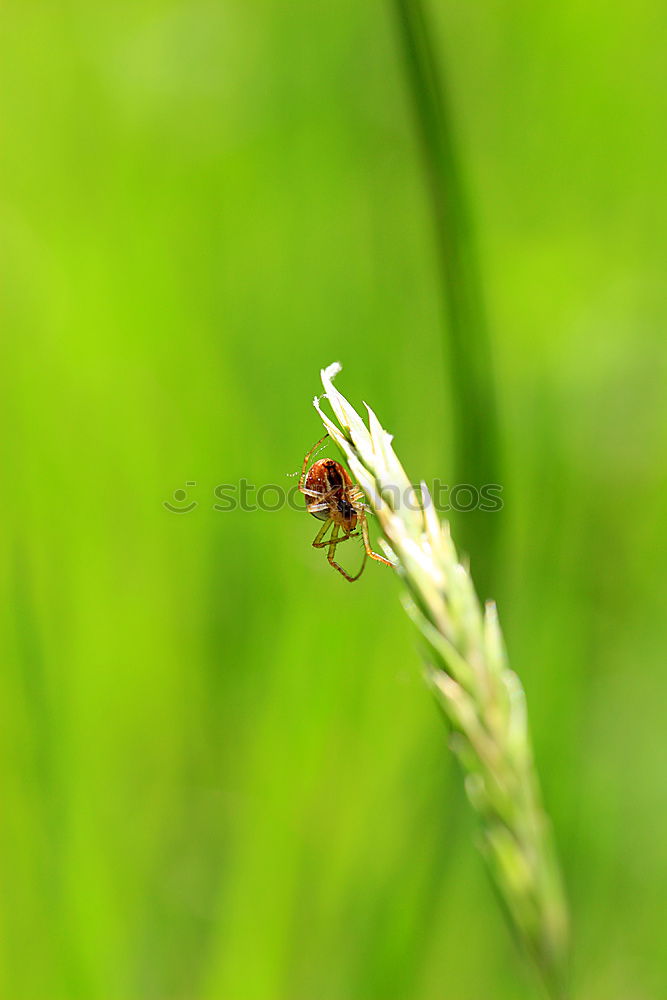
331	482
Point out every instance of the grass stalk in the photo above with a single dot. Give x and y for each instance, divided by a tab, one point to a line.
482	699
472	385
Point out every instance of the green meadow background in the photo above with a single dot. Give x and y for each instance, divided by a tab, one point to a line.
221	774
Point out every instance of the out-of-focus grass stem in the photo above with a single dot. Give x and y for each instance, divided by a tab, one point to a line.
474	408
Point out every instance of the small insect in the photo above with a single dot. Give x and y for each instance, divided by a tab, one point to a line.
332	497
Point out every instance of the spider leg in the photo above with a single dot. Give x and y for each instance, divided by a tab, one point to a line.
333	542
302	477
317	541
361	517
314	508
322	496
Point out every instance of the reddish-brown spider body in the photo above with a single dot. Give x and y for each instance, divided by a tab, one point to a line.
329	479
332	497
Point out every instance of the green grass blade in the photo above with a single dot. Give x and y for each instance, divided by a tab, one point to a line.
474	408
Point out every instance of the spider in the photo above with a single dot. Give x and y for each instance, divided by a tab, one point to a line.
333	498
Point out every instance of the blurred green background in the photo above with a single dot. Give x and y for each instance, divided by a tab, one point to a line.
222	775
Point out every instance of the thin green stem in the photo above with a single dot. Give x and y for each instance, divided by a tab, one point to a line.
475	417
